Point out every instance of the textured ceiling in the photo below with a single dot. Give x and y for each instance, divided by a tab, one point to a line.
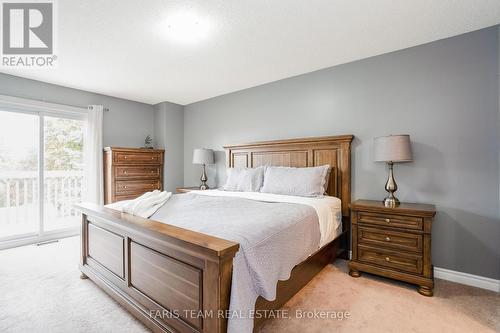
121	47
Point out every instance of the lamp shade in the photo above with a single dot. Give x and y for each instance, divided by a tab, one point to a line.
393	148
203	156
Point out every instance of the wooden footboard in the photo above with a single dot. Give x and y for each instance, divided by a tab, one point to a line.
172	279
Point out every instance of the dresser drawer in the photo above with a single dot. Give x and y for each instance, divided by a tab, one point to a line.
137	171
124	187
390	239
127	196
137	157
391	220
411	263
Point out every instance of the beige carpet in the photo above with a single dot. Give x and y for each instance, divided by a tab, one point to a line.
40	291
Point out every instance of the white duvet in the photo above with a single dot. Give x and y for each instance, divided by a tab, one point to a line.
275	233
329	209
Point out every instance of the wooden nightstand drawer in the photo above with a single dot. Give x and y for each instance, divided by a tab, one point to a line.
390	239
391	220
387	258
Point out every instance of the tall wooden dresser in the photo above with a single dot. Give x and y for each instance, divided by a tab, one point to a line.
130	172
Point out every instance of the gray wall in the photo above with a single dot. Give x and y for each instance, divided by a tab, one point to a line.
169	134
126	124
444	94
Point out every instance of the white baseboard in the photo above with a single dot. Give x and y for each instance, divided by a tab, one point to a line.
467	279
464	278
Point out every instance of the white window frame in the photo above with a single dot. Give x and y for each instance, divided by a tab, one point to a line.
42	109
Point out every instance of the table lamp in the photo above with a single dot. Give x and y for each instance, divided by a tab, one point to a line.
392	149
203	156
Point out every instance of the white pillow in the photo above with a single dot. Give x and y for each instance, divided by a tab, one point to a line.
233	177
244	180
305	182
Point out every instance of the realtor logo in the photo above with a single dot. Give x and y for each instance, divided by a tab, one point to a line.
27	28
28	34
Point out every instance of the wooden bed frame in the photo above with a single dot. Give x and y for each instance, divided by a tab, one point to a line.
174	279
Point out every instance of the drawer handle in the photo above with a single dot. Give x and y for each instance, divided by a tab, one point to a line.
387	259
388	220
152	158
125	157
388	239
125	186
152	171
125	172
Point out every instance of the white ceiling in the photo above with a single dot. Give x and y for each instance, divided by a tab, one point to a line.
121	48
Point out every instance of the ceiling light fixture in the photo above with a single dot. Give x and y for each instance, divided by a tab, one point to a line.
186	27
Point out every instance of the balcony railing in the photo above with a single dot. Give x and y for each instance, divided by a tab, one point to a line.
19	200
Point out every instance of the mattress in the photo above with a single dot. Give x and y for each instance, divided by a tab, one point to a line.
275	233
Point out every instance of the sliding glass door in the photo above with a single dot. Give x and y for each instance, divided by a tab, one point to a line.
63	172
19	175
41	175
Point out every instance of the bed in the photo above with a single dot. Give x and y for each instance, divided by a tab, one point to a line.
153	268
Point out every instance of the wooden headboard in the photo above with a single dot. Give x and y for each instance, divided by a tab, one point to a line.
307	152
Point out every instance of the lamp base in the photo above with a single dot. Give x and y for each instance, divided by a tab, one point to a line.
203	180
391	202
391	187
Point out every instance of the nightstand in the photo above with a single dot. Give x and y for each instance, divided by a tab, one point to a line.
187	189
393	242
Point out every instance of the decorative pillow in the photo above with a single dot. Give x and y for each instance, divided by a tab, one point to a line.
305	182
244	180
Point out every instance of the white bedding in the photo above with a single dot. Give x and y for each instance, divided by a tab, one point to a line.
329	209
143	206
275	233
